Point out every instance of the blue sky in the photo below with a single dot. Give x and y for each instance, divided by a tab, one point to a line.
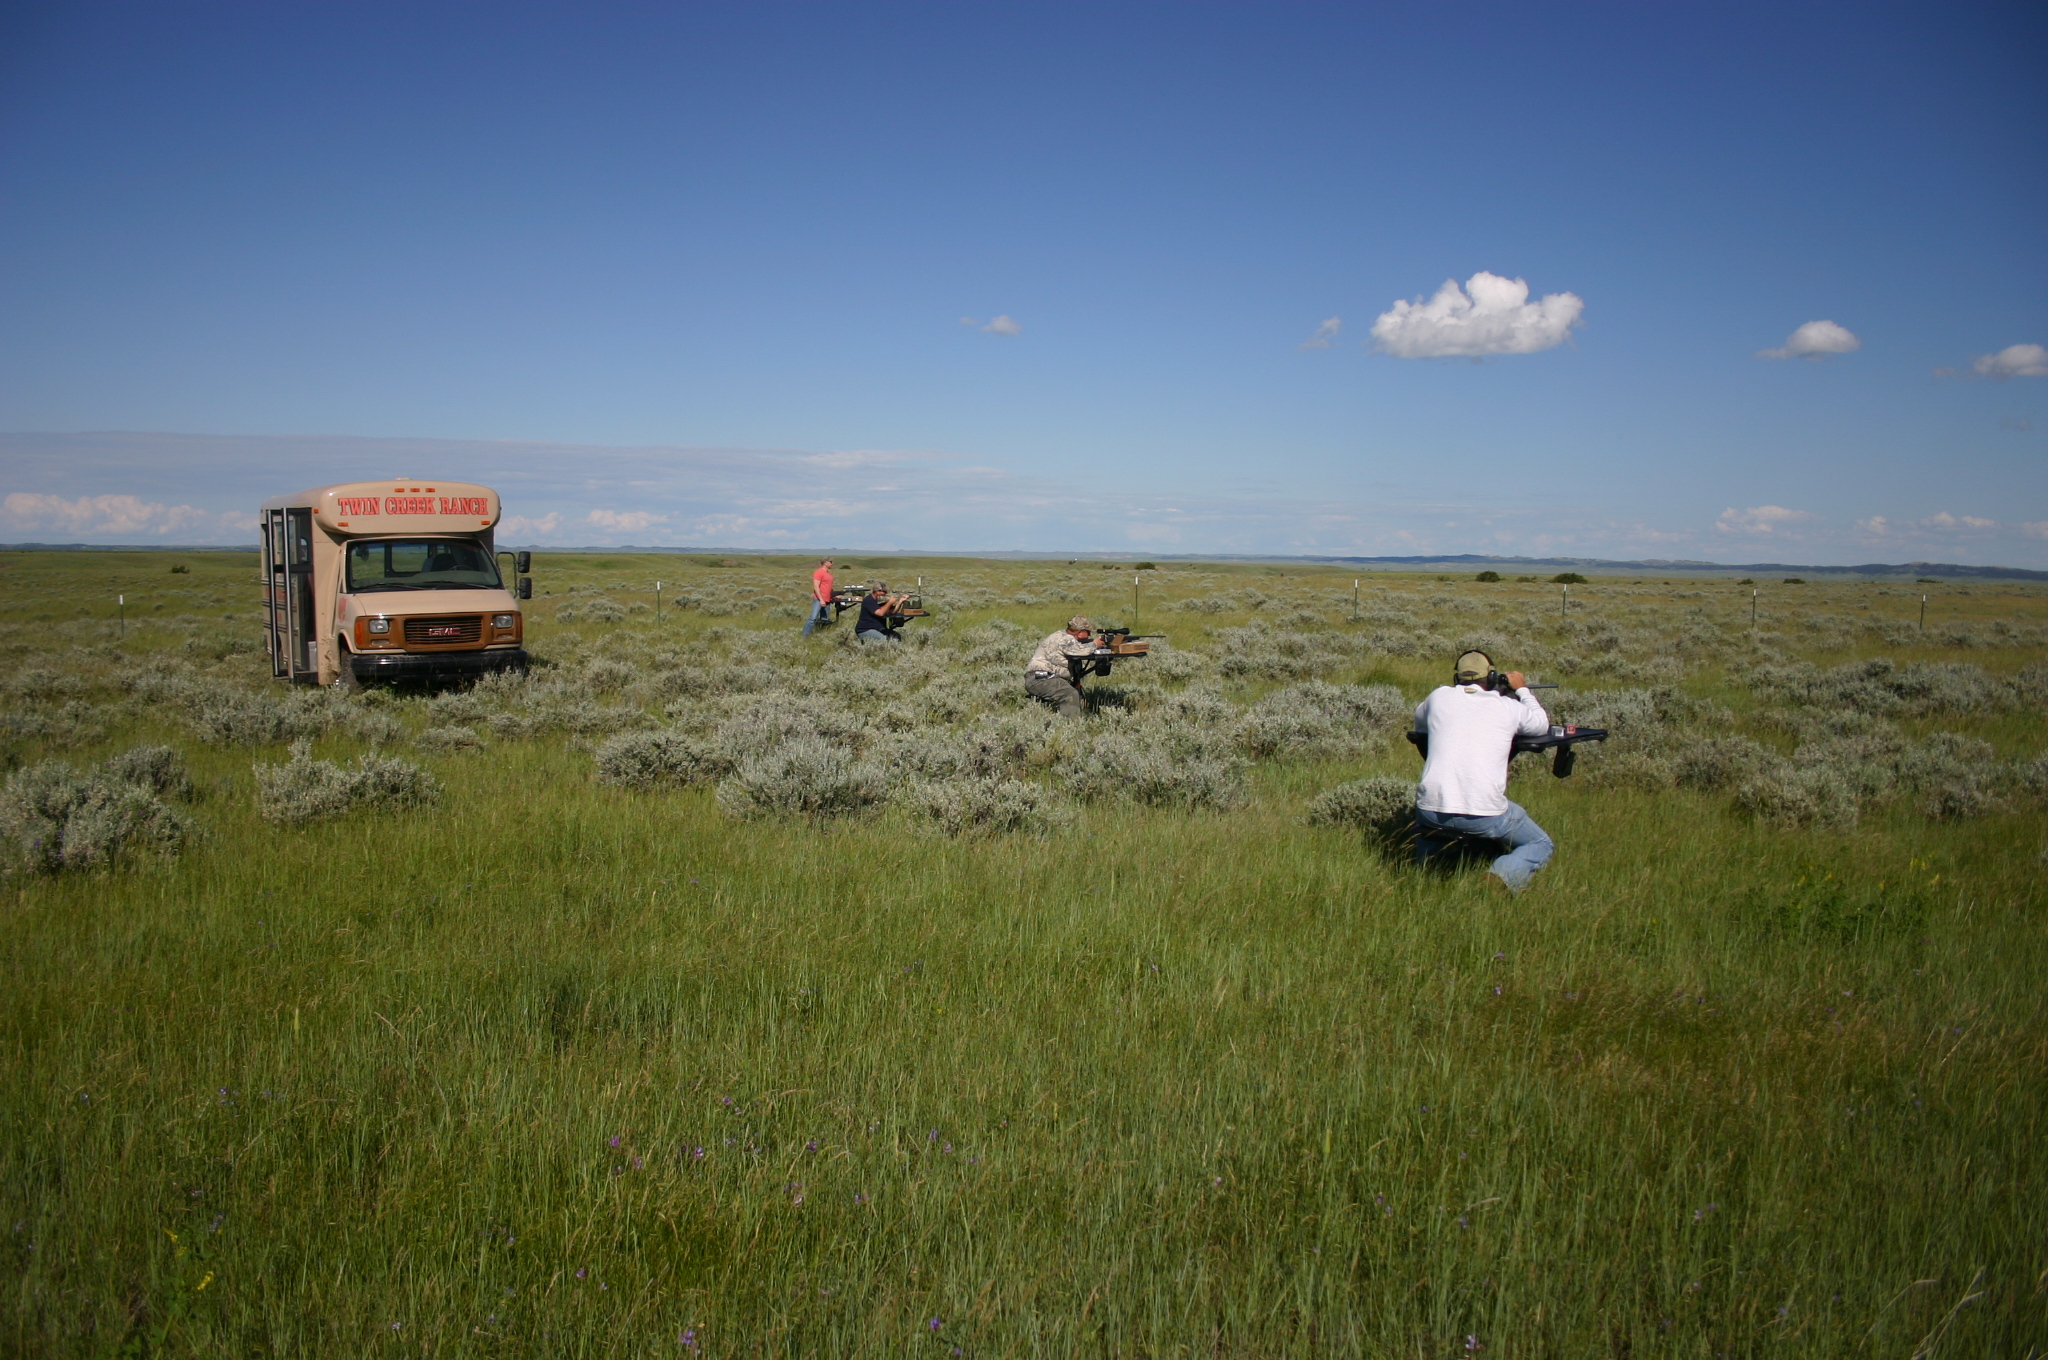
700	274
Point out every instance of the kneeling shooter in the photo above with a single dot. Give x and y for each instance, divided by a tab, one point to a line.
1055	670
1472	724
880	615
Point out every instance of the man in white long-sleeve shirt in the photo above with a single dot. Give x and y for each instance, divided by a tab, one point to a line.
1464	789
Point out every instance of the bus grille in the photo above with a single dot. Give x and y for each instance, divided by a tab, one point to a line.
454	631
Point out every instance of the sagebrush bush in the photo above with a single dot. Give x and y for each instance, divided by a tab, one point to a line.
1383	807
1717	761
449	739
1318	719
604	675
664	758
304	789
1882	686
42	683
986	806
1790	796
234	717
2031	776
804	776
53	818
73	723
1131	762
159	769
1953	777
561	708
229	715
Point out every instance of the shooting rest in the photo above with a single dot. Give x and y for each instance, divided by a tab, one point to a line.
850	598
1560	764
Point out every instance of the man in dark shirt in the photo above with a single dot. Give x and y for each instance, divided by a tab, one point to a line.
878	609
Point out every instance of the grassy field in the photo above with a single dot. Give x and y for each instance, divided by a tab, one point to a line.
556	1064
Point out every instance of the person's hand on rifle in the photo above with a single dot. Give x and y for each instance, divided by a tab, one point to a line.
1516	680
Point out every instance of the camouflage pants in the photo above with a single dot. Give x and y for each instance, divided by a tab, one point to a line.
1058	692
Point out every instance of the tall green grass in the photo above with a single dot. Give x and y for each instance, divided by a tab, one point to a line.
564	1070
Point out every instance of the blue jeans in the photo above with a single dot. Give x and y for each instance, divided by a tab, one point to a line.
1529	847
820	613
867	635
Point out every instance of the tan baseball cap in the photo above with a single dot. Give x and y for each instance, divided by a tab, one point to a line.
1080	623
1473	666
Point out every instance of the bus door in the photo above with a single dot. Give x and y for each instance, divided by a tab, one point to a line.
288	589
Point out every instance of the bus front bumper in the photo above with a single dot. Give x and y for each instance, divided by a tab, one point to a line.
436	665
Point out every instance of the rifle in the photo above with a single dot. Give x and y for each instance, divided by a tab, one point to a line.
1113	644
1497	681
1123	642
850	598
1558	739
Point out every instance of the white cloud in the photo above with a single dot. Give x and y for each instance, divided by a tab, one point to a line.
1325	336
530	526
970	321
1942	519
1490	315
30	512
1002	325
1815	340
1941	522
1759	520
2014	361
625	521
802	499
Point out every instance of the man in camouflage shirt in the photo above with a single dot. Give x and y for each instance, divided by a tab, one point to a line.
1054	673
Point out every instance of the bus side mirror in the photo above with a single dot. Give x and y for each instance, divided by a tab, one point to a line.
526	587
522	563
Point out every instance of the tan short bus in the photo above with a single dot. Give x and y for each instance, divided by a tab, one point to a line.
392	580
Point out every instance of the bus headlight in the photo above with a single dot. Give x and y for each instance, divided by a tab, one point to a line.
504	620
380	625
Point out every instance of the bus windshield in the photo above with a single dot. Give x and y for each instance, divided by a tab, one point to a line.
420	564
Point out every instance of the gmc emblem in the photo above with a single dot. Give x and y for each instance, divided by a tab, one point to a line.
444	632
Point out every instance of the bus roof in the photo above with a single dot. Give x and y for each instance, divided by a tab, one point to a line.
402	505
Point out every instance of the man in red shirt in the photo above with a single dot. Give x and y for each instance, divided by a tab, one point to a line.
821	596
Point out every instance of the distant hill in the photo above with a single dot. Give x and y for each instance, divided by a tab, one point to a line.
1648	566
1667	567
